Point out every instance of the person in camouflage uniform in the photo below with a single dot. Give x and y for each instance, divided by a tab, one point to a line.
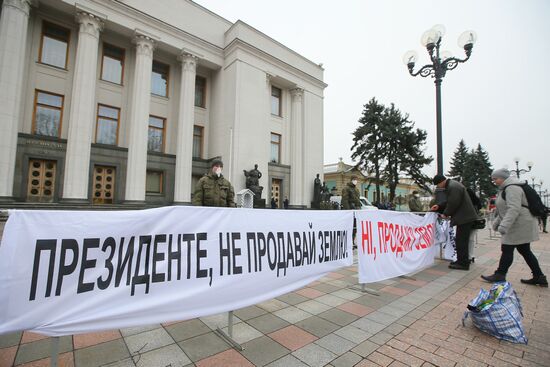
213	189
350	195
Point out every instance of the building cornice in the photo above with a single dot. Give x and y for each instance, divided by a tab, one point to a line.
240	23
160	27
237	44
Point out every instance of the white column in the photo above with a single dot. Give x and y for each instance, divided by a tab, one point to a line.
296	148
82	113
140	100
13	41
186	118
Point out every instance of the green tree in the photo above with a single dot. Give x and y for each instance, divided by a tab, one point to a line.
367	142
458	161
387	144
479	170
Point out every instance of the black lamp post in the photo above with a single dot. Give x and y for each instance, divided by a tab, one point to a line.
519	171
441	62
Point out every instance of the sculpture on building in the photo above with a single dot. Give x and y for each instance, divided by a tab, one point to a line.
253	183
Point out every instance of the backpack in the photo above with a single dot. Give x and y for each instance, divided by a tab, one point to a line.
535	205
476	201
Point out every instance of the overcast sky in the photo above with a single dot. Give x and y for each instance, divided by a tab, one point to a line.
499	98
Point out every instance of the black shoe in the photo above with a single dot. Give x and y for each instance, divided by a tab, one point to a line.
457	266
538	280
545	231
496	277
472	260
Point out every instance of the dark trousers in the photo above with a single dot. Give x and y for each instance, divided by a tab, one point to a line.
462	240
507	257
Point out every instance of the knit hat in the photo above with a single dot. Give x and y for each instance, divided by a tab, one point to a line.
439	179
216	162
501	173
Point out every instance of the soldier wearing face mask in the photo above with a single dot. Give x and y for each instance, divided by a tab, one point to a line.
350	195
213	189
415	205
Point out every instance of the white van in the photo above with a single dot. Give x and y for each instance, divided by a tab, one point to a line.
365	203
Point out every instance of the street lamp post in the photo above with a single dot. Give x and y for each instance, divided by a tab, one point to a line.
440	64
519	171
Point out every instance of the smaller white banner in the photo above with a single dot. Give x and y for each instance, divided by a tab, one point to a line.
445	236
391	243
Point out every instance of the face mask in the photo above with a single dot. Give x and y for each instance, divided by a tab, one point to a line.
416	195
354	182
218	171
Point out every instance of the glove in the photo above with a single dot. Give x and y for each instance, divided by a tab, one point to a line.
501	230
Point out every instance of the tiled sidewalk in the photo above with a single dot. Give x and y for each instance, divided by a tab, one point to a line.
413	322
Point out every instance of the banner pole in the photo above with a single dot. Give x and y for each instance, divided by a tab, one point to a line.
55	351
230	323
229	338
364	289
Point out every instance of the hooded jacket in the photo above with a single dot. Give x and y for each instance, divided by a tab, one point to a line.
212	190
513	218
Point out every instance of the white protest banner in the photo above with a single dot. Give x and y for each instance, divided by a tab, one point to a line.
391	243
70	272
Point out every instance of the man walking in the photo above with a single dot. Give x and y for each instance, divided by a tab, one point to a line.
458	206
213	189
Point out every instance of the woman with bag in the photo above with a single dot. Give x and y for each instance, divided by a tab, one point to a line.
518	228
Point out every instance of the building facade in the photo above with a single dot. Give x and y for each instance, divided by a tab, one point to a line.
337	175
127	102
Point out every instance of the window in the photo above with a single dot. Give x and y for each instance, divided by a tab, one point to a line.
200	91
197	141
112	67
275	148
153	182
155	141
107	125
48	112
276	101
159	79
54	45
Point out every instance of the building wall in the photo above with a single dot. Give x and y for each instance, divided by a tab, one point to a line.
240	65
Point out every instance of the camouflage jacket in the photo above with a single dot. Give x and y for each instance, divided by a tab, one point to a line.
350	197
214	191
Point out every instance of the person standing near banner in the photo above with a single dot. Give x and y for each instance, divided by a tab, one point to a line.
213	189
415	205
350	195
458	206
517	226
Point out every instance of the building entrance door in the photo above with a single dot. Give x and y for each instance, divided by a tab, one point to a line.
276	191
41	183
104	185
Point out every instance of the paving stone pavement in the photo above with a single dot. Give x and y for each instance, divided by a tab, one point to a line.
415	321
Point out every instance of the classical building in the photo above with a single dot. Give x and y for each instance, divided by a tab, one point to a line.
127	101
337	175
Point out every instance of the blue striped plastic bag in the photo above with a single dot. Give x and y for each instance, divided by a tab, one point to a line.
498	312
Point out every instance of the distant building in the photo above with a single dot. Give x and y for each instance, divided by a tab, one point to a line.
115	102
337	175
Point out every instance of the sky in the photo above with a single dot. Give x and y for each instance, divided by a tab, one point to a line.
499	98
